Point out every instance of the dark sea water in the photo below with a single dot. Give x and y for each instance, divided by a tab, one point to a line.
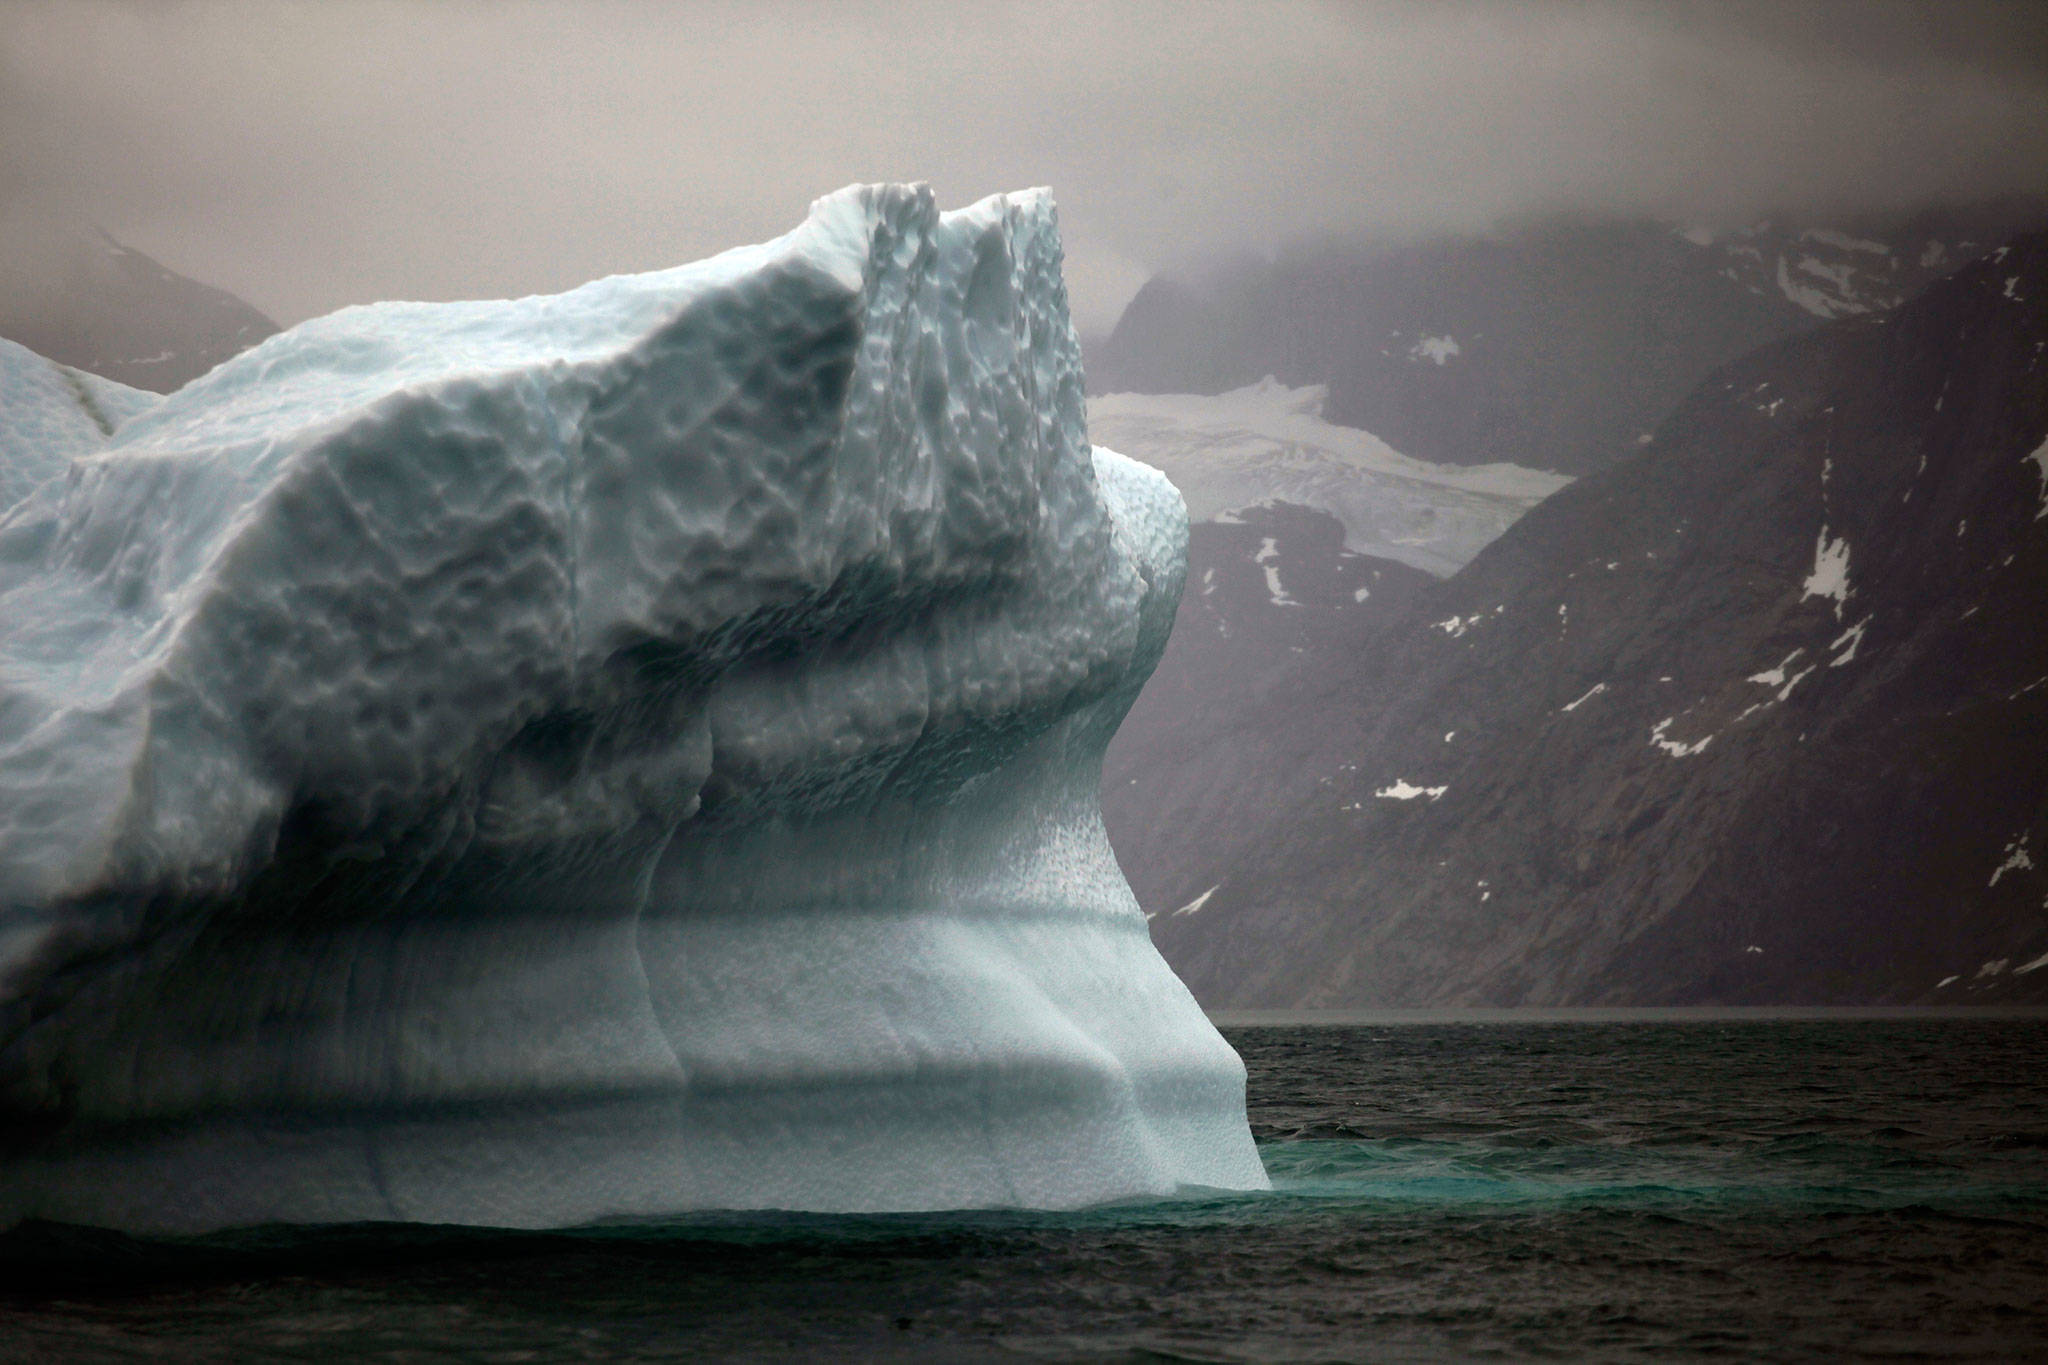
1787	1189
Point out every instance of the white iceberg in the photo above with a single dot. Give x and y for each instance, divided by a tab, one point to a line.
598	756
50	413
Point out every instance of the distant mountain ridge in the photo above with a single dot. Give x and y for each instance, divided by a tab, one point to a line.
114	312
1757	715
1556	346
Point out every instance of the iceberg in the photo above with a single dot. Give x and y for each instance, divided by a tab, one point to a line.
50	413
598	756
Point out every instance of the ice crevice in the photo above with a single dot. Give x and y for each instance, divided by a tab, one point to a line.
594	756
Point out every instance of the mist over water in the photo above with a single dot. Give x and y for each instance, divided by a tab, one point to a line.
1802	1188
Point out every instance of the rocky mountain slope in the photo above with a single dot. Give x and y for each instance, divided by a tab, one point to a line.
1555	346
1758	714
95	305
1273	601
1307	537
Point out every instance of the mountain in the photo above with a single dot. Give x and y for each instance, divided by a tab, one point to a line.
1556	346
92	304
1273	598
1306	538
1757	714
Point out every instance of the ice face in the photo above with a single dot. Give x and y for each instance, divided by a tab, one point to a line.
600	755
50	413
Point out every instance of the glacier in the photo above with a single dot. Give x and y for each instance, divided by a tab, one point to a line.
595	756
1263	443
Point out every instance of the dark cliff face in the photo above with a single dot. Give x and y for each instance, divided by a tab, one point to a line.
1759	714
1273	600
1557	347
117	313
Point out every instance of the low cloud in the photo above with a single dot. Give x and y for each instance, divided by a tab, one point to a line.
312	155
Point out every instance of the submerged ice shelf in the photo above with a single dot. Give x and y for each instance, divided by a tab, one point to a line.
599	755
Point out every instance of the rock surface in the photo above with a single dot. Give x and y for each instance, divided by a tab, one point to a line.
1760	714
1275	601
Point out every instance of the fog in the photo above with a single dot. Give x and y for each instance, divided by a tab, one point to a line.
306	156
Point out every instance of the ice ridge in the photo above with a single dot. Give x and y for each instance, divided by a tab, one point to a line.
597	756
50	413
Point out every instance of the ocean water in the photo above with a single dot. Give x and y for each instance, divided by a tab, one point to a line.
1789	1188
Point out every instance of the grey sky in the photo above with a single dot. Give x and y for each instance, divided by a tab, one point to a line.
312	155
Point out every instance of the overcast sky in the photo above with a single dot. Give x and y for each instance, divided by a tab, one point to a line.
311	155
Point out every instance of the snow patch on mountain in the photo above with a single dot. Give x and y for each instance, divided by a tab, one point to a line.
1403	790
1268	559
1778	678
1673	747
2017	859
1830	576
1457	625
1595	690
1837	275
1818	302
1848	642
1830	237
2039	459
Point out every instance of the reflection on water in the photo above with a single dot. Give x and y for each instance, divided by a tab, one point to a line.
1794	1188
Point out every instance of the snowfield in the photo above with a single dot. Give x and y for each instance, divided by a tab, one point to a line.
1269	443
